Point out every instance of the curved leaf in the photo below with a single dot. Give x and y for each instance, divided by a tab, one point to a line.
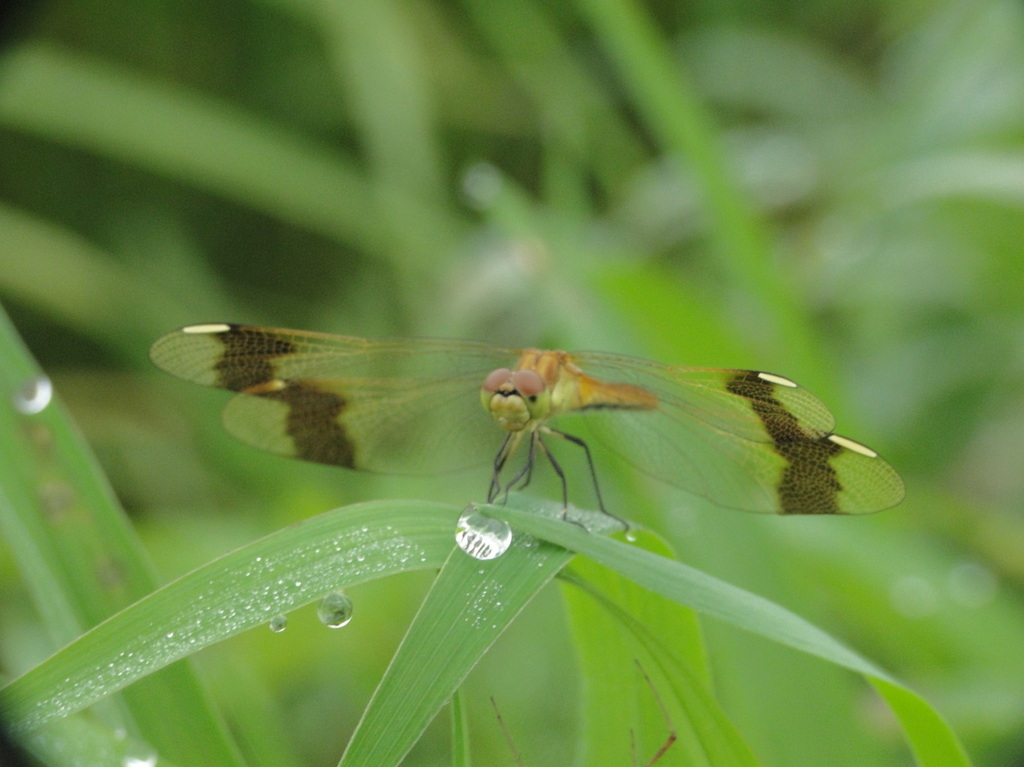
290	568
931	739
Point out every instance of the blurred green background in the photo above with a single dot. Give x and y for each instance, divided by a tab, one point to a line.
829	190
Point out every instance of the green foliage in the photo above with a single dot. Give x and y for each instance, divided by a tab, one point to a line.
832	191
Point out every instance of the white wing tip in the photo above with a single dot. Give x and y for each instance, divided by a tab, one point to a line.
209	327
850	444
779	380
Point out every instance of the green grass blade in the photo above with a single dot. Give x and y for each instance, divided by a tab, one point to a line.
238	591
82	562
120	113
672	108
470	604
620	626
81	740
461	755
931	739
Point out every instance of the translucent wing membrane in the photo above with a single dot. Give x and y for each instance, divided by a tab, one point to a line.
236	357
740	438
389	406
704	394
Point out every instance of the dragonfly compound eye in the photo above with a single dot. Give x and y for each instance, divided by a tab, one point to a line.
496	378
528	383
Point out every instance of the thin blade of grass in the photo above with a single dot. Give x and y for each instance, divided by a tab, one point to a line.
933	742
470	604
620	625
285	570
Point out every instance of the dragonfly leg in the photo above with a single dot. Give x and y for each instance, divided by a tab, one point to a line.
565	487
500	459
524	473
558	470
593	472
508	447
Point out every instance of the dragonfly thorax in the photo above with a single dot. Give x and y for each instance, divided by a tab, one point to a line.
515	399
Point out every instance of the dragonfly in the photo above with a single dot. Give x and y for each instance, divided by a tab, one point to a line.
743	439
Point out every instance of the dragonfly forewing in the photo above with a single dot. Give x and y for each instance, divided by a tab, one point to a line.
396	406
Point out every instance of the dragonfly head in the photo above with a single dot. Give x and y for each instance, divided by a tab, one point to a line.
515	398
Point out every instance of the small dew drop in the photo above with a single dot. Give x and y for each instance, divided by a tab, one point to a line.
278	623
335	610
482	537
34	395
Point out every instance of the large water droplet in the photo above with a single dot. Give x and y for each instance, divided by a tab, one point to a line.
34	395
278	623
482	537
335	610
